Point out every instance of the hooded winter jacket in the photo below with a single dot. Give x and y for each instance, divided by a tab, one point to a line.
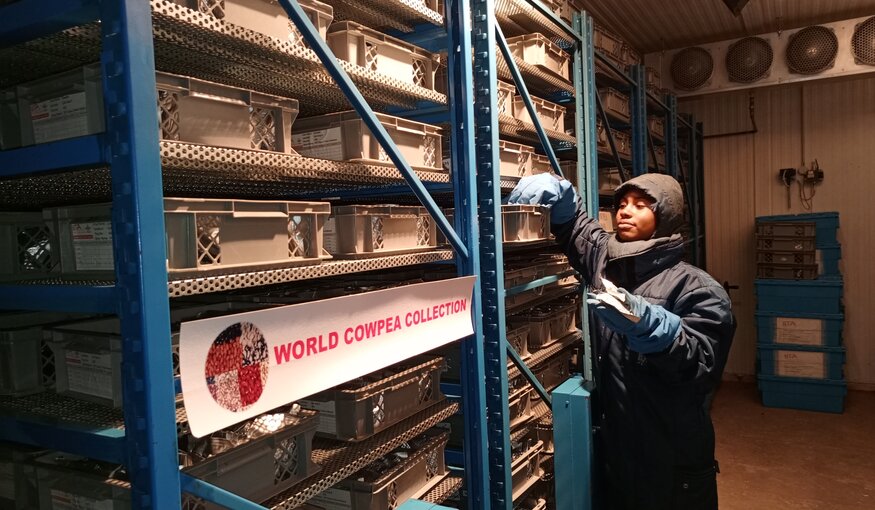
655	437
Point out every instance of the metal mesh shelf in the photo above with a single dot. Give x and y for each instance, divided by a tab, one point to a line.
444	490
402	15
538	81
340	460
545	353
63	410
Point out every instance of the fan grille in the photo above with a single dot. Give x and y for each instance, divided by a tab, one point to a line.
863	42
812	50
691	68
749	59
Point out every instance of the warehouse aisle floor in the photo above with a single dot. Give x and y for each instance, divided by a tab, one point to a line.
782	459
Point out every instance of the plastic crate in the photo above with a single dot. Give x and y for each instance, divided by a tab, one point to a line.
408	472
523	223
826	225
556	369
622	140
514	159
27	365
18	482
656	125
537	50
360	408
196	111
823	330
88	354
504	102
265	16
660	157
370	230
616	104
652	79
262	467
551	115
607	220
802	258
827	259
786	244
547	324
26	249
383	54
519	403
544	430
525	471
631	57
71	482
608	44
344	137
804	361
518	338
609	179
786	229
62	106
808	296
787	271
805	394
202	235
541	164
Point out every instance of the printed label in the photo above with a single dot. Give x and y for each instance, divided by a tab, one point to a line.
794	330
89	373
59	118
801	364
92	245
65	501
327	417
322	144
333	499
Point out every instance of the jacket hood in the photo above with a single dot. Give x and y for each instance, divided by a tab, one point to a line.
669	201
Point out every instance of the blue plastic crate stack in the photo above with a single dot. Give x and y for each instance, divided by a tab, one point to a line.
800	356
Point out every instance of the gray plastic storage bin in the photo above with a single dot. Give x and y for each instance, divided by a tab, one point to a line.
551	115
525	223
362	407
26	250
539	51
370	230
383	54
26	364
265	16
62	106
408	472
345	137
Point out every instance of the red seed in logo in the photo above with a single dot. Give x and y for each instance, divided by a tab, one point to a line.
237	366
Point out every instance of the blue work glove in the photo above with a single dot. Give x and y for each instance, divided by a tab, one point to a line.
654	331
549	190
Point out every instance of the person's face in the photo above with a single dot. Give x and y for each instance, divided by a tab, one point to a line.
635	218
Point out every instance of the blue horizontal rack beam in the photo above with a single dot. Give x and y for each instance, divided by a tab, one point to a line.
454	457
427	36
102	444
82	152
26	20
60	298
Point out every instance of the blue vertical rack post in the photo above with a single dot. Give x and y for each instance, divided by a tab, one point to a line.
638	100
671	135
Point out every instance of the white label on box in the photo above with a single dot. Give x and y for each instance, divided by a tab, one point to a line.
333	499
329	235
794	330
59	118
89	373
65	501
7	480
801	364
327	417
322	144
92	245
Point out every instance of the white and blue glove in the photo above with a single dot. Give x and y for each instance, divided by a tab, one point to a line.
549	190
654	331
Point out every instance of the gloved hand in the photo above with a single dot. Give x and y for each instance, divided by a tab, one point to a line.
655	330
549	190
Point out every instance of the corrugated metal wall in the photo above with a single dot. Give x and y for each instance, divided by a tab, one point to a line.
832	121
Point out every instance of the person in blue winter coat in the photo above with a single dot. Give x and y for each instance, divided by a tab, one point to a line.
653	367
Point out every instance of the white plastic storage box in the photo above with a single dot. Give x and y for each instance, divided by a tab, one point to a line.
616	104
18	484
26	249
515	160
551	115
362	407
66	105
265	16
345	137
26	363
383	54
537	50
88	354
407	472
71	482
203	112
504	102
365	230
202	235
525	223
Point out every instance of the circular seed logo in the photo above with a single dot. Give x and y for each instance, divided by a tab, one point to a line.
237	366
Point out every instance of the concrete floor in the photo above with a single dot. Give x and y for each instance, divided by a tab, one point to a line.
777	459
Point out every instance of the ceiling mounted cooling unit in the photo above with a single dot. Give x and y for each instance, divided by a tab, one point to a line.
822	51
749	59
691	68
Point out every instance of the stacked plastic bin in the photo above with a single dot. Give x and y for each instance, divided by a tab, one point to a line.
800	357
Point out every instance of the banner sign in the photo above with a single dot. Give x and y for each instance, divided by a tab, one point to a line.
239	366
